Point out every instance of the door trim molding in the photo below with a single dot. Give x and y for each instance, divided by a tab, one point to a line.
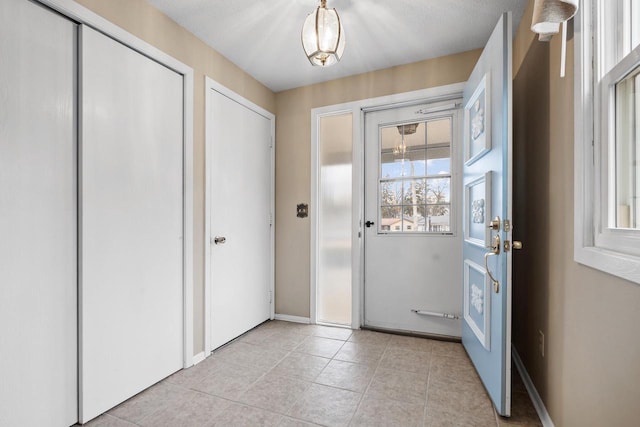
82	15
293	319
358	110
212	85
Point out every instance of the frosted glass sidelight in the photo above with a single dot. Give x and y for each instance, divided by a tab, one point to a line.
334	220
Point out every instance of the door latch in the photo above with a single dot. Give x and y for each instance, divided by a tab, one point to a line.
516	244
368	224
219	240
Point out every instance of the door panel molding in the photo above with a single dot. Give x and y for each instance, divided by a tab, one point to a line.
490	159
211	86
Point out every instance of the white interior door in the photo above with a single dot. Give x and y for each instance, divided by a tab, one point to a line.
412	245
38	222
486	328
131	223
240	194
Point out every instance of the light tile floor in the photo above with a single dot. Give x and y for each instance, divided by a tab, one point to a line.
287	374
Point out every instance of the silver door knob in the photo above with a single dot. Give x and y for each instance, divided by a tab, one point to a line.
219	240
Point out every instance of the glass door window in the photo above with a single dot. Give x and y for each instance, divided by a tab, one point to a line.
415	177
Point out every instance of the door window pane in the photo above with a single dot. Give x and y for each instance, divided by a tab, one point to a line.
438	218
391	218
403	150
439	190
390	193
414	191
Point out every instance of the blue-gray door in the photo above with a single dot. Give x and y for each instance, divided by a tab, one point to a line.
486	328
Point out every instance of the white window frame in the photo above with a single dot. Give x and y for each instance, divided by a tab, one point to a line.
596	244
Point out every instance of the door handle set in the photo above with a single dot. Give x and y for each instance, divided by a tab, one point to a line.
495	250
495	247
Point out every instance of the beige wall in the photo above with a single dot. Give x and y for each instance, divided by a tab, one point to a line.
590	373
293	170
144	21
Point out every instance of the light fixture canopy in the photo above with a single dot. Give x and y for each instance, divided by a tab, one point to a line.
323	36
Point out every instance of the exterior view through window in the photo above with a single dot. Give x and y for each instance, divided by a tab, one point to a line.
415	177
625	24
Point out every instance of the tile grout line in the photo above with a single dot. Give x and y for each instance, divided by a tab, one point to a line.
261	345
426	399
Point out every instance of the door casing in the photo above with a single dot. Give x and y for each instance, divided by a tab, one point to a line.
358	110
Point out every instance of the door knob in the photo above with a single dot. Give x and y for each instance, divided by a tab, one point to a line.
219	240
516	244
368	224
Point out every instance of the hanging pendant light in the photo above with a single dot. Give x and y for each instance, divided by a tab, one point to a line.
323	36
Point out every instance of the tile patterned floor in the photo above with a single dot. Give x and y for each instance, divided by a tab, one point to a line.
287	374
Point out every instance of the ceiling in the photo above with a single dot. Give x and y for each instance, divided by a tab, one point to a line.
263	37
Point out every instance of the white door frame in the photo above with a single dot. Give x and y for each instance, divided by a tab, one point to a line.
210	86
82	15
358	110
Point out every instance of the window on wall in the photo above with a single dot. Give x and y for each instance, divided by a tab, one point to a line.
415	177
608	137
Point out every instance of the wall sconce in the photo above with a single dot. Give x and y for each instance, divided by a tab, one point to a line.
546	20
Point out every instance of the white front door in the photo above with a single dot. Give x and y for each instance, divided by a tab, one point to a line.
487	207
38	220
412	244
239	145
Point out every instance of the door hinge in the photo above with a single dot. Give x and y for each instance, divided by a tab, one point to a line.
270	295
270	219
271	142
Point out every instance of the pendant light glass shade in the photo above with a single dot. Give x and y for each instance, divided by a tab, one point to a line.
323	36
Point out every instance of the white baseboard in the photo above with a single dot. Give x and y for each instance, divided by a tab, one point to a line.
295	319
199	357
545	418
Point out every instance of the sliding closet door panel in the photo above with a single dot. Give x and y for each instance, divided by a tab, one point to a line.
131	223
38	223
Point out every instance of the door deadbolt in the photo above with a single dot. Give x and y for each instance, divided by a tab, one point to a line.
495	224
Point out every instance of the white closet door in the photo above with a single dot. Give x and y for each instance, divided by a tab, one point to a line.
38	223
131	223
